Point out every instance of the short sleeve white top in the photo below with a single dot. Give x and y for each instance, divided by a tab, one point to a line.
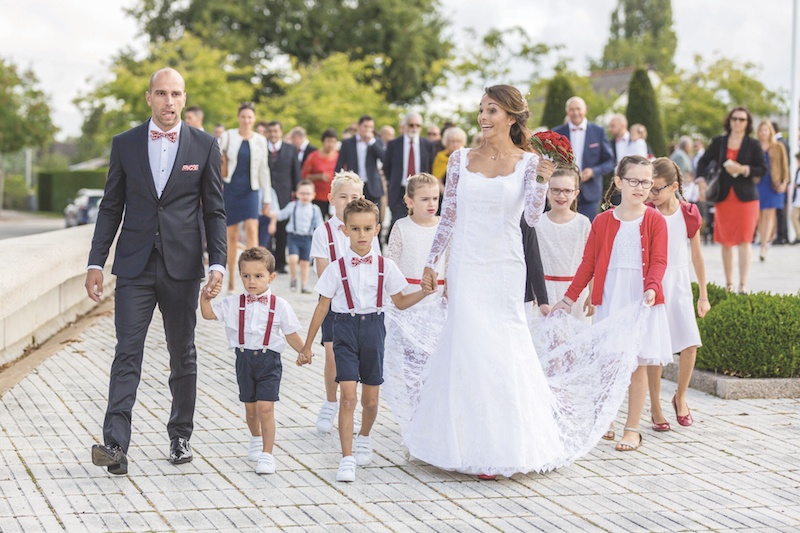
256	316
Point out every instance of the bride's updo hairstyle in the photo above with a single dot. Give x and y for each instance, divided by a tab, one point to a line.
511	101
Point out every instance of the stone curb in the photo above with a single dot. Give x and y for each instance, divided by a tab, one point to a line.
733	388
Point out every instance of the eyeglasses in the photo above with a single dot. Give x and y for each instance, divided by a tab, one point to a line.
412	125
633	182
656	192
565	192
738	119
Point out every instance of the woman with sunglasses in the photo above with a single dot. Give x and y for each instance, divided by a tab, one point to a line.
736	213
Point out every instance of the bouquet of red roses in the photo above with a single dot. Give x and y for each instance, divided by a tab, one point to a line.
554	146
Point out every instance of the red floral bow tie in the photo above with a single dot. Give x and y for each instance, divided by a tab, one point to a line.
259	299
171	136
577	129
355	261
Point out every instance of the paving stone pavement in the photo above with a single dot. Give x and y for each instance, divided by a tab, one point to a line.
736	469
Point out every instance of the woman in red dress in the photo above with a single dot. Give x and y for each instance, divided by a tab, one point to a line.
736	215
320	167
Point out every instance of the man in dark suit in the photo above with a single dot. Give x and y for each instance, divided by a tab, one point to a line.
405	156
300	141
284	168
360	154
594	156
164	177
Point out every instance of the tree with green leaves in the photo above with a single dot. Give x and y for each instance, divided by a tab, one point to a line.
559	90
212	81
24	114
641	35
643	109
259	33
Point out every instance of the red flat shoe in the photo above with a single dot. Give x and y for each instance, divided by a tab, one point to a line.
486	477
664	426
685	421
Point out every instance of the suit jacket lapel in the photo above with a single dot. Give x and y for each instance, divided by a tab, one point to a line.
143	155
184	143
586	142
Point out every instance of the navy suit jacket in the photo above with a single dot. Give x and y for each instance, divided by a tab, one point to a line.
193	194
393	170
597	155
348	160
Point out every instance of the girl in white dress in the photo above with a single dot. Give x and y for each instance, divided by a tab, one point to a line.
683	222
562	236
627	255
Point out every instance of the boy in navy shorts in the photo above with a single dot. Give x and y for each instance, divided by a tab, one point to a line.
355	286
304	217
258	325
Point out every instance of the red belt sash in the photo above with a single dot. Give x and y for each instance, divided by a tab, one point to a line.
415	281
558	278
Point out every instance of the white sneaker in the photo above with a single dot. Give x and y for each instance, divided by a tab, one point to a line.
347	469
363	450
266	464
255	447
326	415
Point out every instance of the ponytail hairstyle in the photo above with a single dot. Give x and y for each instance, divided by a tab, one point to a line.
513	103
622	169
423	179
666	168
569	172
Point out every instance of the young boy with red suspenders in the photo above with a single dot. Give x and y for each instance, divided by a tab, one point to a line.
259	325
355	287
327	245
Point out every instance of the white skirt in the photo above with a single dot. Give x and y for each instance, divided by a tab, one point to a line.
679	301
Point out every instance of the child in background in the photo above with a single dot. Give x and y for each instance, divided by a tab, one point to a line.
355	288
304	217
626	253
327	245
562	234
269	324
683	222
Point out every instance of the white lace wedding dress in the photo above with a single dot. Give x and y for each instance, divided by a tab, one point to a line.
476	398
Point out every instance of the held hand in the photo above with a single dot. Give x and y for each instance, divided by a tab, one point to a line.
94	284
586	174
428	281
265	210
544	309
304	357
649	298
588	308
273	226
561	305
545	169
214	285
703	307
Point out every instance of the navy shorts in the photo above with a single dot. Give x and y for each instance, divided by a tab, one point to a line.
259	375
358	347
327	327
299	245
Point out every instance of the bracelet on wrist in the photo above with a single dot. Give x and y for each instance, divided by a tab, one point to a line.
703	299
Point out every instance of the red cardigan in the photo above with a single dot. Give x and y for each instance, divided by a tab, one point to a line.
597	254
691	216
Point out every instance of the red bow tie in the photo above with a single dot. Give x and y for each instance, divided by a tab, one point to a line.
355	261
259	299
577	129
171	136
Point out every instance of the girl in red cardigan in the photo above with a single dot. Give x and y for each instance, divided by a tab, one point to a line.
683	222
627	255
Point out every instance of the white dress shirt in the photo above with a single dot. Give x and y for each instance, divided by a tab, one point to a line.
361	152
407	142
274	147
363	281
577	138
162	153
302	151
319	242
622	146
256	317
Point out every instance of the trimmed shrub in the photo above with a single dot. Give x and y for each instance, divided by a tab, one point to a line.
559	90
643	109
751	335
15	193
55	188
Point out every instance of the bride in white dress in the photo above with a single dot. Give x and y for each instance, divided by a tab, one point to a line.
484	402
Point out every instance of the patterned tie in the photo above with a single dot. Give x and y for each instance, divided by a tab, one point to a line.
355	261
260	299
171	136
412	167
577	129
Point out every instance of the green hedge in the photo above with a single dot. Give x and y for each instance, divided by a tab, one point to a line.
56	187
15	193
750	335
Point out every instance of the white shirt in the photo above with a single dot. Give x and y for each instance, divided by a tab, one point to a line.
302	151
407	142
363	281
622	146
361	152
256	317
274	147
162	153
577	138
319	242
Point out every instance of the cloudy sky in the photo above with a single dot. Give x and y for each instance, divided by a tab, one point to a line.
69	44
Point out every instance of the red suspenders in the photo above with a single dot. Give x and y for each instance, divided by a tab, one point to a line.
268	331
346	285
331	245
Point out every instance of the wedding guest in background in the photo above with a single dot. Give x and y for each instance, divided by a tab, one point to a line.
299	139
772	187
194	117
361	154
285	170
638	144
620	137
320	167
387	134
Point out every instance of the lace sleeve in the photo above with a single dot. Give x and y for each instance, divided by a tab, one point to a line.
448	219
395	248
534	193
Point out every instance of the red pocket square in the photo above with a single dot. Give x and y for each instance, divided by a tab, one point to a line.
190	168
594	145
